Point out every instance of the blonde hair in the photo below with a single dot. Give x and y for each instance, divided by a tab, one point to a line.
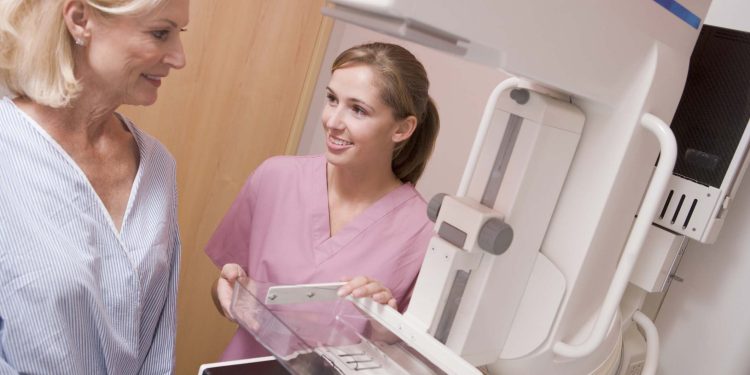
36	49
403	85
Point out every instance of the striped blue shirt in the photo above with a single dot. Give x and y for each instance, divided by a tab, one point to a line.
76	295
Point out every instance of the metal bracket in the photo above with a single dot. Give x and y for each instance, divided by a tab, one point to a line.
285	294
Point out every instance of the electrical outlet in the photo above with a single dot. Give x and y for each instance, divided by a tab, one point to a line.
635	368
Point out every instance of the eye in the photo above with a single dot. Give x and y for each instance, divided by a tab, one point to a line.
331	99
359	111
160	34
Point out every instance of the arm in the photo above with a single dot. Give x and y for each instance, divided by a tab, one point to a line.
230	242
229	245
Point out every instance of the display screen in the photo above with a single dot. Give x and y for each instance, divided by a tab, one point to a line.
265	368
715	107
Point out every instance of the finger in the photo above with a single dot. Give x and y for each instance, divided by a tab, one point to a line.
369	290
254	325
226	308
392	303
358	281
351	285
382	297
235	270
231	271
224	293
344	290
228	314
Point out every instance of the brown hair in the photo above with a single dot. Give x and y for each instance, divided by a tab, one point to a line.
404	88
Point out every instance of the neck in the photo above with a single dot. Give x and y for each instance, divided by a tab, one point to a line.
361	186
86	118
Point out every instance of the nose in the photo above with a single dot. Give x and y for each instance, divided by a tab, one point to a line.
175	57
332	117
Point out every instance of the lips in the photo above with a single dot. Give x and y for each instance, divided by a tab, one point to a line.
337	144
153	79
339	141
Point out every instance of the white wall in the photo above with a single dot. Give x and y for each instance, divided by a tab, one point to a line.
459	88
732	14
704	322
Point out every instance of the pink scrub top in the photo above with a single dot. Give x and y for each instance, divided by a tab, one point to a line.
278	230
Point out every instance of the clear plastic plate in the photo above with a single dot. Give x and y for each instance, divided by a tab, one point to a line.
323	337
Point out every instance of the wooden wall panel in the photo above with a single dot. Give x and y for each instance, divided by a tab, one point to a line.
242	97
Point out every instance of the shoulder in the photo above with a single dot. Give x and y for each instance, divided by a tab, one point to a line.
414	202
10	114
414	211
293	162
6	105
407	212
291	167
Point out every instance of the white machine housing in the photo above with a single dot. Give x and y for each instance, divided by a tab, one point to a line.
520	171
698	211
622	63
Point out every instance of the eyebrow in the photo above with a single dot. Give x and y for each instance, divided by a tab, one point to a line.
170	22
354	100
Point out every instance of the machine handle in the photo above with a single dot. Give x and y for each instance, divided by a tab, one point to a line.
646	215
652	342
484	125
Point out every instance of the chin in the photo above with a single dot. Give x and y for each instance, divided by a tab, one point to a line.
142	101
334	159
330	157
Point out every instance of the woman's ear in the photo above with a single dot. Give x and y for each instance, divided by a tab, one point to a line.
404	129
76	17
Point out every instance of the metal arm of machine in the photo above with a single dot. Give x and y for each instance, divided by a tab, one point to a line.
633	246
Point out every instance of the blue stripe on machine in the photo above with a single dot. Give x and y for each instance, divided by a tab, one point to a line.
681	12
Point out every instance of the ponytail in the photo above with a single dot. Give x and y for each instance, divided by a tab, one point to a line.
410	157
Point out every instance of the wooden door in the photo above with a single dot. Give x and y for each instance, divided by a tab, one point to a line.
251	66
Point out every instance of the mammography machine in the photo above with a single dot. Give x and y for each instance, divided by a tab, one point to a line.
568	213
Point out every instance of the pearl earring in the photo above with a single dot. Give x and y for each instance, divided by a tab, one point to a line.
80	42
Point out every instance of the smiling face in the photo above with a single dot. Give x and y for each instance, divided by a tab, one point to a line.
360	129
126	57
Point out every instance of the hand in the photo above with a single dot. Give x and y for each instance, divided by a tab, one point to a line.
362	286
221	292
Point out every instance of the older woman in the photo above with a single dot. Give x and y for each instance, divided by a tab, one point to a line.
89	250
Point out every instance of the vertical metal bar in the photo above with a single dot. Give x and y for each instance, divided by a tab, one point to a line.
502	159
451	305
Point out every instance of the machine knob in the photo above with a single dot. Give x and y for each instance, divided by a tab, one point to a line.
433	208
521	96
495	236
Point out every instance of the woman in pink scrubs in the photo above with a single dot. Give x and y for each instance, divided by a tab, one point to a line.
354	210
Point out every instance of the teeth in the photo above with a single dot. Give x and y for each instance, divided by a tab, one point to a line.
340	142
